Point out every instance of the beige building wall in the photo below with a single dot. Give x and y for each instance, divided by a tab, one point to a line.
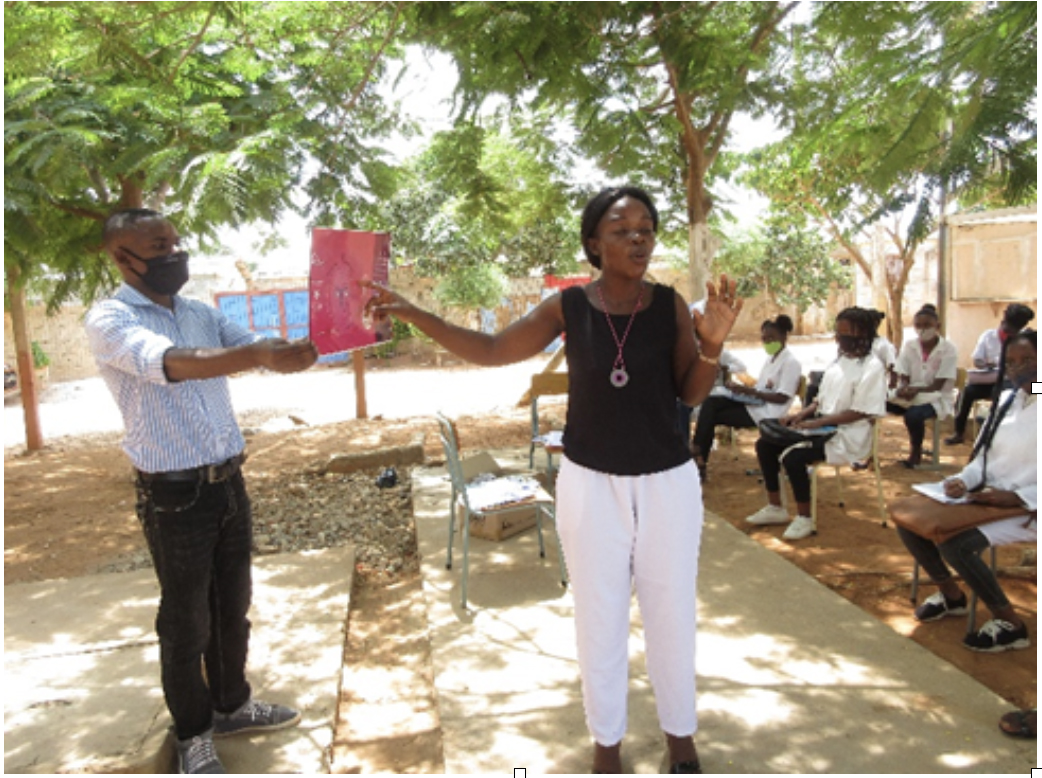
993	262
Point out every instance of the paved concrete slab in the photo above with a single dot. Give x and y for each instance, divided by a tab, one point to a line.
792	677
81	670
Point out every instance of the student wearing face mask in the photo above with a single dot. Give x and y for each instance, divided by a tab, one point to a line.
853	392
165	359
744	406
926	369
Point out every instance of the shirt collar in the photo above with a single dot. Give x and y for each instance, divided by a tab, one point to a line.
131	296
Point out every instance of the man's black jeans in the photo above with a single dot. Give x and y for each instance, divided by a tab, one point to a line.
199	535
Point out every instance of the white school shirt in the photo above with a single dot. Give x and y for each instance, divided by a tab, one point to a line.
858	385
781	374
169	425
884	350
988	351
942	363
1012	465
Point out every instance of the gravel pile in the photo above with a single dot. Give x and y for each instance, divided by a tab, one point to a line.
306	511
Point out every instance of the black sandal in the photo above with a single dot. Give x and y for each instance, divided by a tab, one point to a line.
1019	726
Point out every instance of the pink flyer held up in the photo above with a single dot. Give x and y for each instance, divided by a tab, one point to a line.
340	259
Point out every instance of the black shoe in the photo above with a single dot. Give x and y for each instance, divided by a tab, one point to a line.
686	767
937	606
997	635
954	440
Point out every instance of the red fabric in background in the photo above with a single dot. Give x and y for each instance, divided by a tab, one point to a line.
339	260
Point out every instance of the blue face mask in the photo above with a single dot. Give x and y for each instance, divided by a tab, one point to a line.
165	274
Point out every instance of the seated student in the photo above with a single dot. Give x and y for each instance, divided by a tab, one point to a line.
884	351
1003	471
852	393
743	406
981	382
926	371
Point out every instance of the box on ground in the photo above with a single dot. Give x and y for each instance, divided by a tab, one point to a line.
502	524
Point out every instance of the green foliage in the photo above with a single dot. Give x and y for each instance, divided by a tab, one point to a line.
472	287
787	260
892	105
215	112
649	88
477	195
400	332
40	358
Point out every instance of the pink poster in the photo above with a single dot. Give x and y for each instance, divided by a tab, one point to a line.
339	260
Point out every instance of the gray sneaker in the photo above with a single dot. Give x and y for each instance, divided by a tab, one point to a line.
198	756
254	716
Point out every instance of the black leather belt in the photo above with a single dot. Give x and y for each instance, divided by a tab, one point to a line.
208	474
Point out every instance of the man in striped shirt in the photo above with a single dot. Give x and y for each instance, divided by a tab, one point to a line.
165	360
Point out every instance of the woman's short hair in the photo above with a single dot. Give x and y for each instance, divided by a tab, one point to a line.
599	205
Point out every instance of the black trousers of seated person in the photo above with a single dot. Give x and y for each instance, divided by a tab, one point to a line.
795	464
714	412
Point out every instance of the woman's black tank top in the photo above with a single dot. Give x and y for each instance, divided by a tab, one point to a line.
630	430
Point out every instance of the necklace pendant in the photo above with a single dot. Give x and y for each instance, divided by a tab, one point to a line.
619	378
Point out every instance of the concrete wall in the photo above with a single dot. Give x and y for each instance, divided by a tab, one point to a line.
994	262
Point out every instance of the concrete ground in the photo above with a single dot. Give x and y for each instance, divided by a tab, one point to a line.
81	670
792	677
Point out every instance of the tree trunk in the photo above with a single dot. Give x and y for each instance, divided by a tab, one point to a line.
26	371
358	362
895	316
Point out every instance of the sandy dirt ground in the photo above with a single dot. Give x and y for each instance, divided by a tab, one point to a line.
69	511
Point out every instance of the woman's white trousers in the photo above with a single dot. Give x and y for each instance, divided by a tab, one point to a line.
621	533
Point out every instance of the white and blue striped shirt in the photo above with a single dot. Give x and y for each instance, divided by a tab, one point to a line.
169	425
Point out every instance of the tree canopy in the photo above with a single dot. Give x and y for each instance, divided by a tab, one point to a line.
478	195
649	88
892	107
219	113
228	113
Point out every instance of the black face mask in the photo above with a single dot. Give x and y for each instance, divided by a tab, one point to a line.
165	274
853	346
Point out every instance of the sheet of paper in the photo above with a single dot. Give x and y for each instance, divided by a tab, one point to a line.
552	439
340	259
492	492
935	491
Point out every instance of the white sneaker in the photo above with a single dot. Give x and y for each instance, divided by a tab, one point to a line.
769	514
801	527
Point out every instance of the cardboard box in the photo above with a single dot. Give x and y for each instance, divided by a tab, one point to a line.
503	524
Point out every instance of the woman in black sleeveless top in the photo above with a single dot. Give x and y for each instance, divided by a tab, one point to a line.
629	502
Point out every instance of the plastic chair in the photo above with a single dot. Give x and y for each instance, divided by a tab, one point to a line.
542	503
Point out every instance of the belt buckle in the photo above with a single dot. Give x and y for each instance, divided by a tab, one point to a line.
213	474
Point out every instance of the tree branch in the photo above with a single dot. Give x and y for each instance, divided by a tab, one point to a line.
193	45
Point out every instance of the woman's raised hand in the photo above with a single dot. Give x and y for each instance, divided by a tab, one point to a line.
384	303
722	308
